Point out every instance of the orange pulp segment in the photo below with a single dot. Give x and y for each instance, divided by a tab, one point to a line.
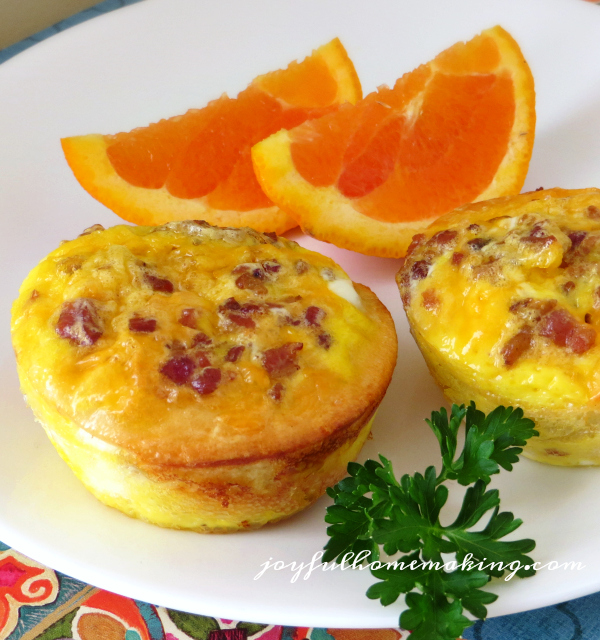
198	165
367	177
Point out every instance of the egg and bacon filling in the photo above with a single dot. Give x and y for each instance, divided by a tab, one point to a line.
190	310
513	299
235	364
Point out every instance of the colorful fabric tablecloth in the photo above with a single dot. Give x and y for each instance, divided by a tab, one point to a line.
37	603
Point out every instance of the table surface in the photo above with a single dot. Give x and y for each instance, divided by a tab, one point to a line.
39	603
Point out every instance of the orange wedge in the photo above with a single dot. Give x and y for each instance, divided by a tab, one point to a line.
368	177
198	165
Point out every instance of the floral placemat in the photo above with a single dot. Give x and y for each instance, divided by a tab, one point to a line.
37	603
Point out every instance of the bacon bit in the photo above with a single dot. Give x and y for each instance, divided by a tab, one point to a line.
274	305
538	231
416	241
536	309
202	359
478	243
582	339
201	338
302	266
34	294
568	286
593	212
588	318
314	316
539	189
516	346
271	235
252	282
159	284
207	382
443	239
538	237
576	238
271	266
241	268
281	361
556	452
457	258
94	227
189	318
242	321
178	369
276	392
142	325
430	300
474	228
251	308
565	331
79	322
235	353
539	242
231	304
293	321
325	340
290	299
557	326
255	272
582	244
419	270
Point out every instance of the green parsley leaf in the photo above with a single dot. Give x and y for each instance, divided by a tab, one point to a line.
491	441
374	512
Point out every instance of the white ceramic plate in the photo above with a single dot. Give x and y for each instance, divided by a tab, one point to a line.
158	58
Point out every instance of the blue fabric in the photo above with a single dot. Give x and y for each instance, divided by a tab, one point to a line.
575	620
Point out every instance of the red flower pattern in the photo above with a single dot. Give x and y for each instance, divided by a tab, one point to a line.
22	582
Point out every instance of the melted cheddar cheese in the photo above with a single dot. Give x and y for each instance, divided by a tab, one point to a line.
503	298
195	342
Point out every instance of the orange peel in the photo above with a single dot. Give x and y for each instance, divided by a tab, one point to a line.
141	175
368	177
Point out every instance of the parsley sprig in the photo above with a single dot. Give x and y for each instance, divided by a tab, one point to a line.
372	510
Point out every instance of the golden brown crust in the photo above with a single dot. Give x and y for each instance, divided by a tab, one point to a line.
217	499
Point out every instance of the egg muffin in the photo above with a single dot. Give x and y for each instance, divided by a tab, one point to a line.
201	378
503	299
